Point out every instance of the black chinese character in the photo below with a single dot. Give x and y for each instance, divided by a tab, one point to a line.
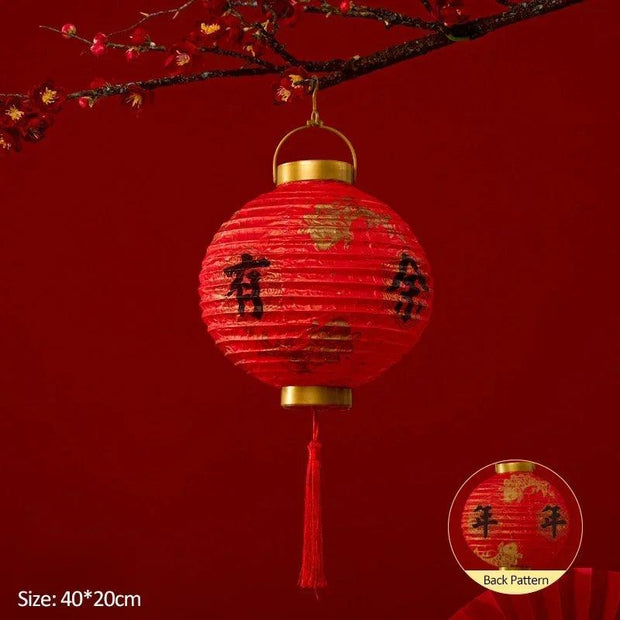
484	520
405	280
553	520
247	269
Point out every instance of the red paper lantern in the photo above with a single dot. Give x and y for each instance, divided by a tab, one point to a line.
516	519
315	287
315	283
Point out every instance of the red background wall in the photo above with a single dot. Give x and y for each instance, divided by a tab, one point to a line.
135	458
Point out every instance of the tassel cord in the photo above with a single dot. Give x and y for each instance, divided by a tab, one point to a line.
312	574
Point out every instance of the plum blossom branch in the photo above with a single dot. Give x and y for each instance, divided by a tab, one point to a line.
162	48
357	67
175	12
111	90
388	17
247	31
269	38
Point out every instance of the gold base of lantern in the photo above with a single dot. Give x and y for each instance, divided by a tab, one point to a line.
510	467
316	396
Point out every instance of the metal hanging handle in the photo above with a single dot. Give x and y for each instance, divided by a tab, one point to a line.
315	122
327	128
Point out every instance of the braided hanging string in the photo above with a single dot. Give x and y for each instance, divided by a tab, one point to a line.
312	575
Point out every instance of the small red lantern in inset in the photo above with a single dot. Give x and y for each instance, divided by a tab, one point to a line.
315	287
516	519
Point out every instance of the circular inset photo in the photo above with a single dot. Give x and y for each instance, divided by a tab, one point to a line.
515	527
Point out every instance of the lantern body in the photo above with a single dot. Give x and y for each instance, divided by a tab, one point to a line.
315	284
516	520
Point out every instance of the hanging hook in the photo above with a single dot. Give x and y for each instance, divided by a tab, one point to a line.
315	119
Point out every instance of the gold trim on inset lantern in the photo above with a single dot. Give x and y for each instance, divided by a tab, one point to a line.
514	466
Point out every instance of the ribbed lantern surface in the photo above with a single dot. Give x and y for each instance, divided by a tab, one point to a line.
315	283
516	520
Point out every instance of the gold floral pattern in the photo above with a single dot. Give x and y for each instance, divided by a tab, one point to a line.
507	556
331	223
326	344
518	485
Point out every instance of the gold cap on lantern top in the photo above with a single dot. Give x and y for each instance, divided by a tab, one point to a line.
510	467
314	169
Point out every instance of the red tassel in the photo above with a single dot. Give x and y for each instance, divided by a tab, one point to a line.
312	574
